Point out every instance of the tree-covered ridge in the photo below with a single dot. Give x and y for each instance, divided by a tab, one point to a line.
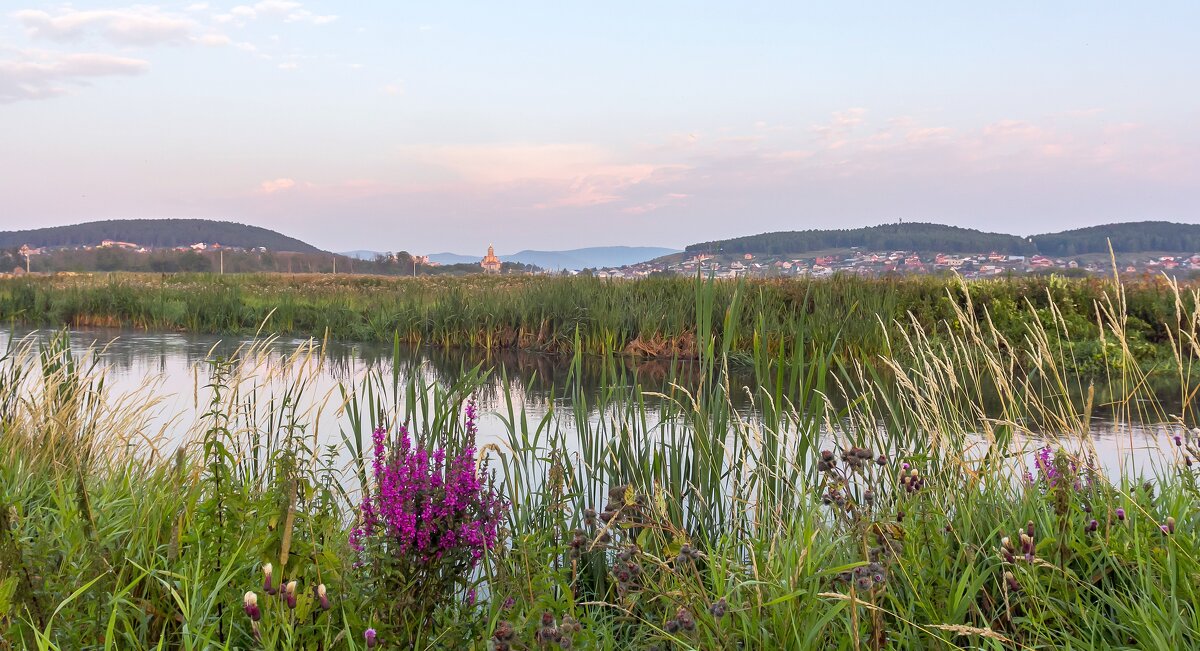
1130	237
156	233
889	237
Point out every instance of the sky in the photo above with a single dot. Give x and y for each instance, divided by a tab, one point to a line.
448	126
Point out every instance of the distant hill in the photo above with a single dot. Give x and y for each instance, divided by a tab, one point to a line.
453	258
889	237
361	254
1130	237
591	257
156	233
575	259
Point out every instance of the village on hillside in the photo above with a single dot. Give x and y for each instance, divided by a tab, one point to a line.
878	263
854	261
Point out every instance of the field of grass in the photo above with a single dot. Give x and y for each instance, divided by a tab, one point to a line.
841	513
856	318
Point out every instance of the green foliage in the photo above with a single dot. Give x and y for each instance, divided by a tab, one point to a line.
1127	237
851	318
917	529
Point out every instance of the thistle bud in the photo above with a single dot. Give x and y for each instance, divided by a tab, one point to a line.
267	569
250	605
1170	525
322	597
504	631
291	594
1092	526
370	637
1026	543
685	619
1121	514
1011	582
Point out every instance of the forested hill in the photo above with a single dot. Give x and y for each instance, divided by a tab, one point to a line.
1131	237
887	237
156	233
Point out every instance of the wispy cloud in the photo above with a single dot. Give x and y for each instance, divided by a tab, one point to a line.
139	26
39	74
276	185
285	10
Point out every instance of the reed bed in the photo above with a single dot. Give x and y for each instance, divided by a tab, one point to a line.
653	317
940	494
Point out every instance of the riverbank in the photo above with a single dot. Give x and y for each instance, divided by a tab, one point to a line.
856	318
906	517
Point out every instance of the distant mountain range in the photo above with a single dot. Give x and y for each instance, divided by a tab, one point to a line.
594	257
156	233
360	254
1128	237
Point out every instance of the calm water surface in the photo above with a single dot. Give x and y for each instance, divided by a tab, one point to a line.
174	367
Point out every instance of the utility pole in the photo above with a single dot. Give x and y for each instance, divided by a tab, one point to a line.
221	253
335	265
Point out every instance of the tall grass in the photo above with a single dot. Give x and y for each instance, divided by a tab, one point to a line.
719	492
653	317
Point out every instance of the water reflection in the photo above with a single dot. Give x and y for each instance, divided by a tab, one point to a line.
176	365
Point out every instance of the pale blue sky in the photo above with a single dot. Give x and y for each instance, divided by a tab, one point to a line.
446	126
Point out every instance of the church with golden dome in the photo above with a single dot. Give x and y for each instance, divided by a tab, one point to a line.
490	263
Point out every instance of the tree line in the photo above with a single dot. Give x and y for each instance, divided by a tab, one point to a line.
1130	237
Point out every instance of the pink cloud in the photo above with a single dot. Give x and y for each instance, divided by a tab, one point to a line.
139	25
271	187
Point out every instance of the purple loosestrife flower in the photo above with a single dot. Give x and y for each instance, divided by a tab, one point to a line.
432	510
1044	460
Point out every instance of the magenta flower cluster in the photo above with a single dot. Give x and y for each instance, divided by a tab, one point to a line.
429	507
1048	471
